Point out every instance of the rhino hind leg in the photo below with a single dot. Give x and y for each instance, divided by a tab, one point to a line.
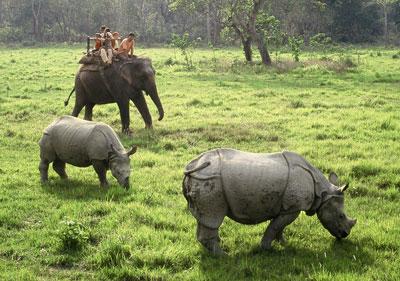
47	155
275	229
44	170
209	238
59	167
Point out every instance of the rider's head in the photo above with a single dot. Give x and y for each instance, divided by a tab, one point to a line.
131	36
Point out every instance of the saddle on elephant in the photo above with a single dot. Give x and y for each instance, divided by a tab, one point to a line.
95	63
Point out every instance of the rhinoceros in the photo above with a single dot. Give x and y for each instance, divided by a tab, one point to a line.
251	188
83	143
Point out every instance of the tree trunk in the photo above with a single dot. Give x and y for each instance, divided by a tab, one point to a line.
265	57
246	42
247	49
385	12
36	19
208	23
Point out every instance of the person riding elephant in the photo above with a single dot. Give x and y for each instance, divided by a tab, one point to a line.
121	82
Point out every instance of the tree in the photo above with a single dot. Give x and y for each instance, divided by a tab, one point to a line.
242	16
385	5
36	14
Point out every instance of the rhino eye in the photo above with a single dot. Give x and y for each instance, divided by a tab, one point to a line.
341	216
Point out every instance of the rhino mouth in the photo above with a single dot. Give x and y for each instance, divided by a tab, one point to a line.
342	234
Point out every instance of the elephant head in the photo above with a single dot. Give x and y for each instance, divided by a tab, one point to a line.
140	75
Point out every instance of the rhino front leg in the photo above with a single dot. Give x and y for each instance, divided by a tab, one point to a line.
209	238
44	170
101	171
59	167
275	229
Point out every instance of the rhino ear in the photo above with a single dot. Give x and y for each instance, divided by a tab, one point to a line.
344	187
132	150
113	149
333	178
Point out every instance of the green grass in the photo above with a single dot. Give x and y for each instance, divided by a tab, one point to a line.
340	117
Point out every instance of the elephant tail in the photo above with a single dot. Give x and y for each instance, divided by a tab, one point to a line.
70	94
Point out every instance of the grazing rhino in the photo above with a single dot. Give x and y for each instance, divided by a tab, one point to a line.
83	143
251	188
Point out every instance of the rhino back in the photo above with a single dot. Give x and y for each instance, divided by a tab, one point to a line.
69	136
100	141
254	184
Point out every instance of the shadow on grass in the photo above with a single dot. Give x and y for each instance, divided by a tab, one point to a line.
290	263
83	191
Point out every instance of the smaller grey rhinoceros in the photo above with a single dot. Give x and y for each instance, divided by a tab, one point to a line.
251	188
83	143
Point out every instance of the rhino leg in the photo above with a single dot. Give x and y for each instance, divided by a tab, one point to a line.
101	171
209	238
275	229
59	167
44	170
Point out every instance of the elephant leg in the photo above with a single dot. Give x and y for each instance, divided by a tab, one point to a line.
59	167
101	171
209	238
124	113
89	111
44	170
275	229
77	109
141	105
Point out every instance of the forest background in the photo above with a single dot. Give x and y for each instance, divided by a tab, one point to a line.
209	22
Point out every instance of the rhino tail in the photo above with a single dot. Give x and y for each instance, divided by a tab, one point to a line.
186	185
201	167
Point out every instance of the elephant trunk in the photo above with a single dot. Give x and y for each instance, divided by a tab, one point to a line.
152	92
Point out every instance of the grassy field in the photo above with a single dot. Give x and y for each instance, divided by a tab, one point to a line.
340	118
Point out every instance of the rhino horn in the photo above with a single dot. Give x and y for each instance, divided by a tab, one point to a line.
132	150
344	187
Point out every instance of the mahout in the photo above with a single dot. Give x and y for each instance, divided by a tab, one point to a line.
120	82
251	188
83	143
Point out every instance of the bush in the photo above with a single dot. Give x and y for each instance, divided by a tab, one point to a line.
295	44
73	235
11	34
320	41
185	45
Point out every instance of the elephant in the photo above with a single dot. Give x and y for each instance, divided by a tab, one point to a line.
120	82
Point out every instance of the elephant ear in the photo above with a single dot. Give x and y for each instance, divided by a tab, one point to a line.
126	75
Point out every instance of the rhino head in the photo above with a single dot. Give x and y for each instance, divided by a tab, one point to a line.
331	211
120	165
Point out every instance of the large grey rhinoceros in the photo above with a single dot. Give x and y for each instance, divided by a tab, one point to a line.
251	188
83	143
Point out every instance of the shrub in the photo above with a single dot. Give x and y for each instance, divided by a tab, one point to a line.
296	104
320	41
295	44
348	62
185	45
73	235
